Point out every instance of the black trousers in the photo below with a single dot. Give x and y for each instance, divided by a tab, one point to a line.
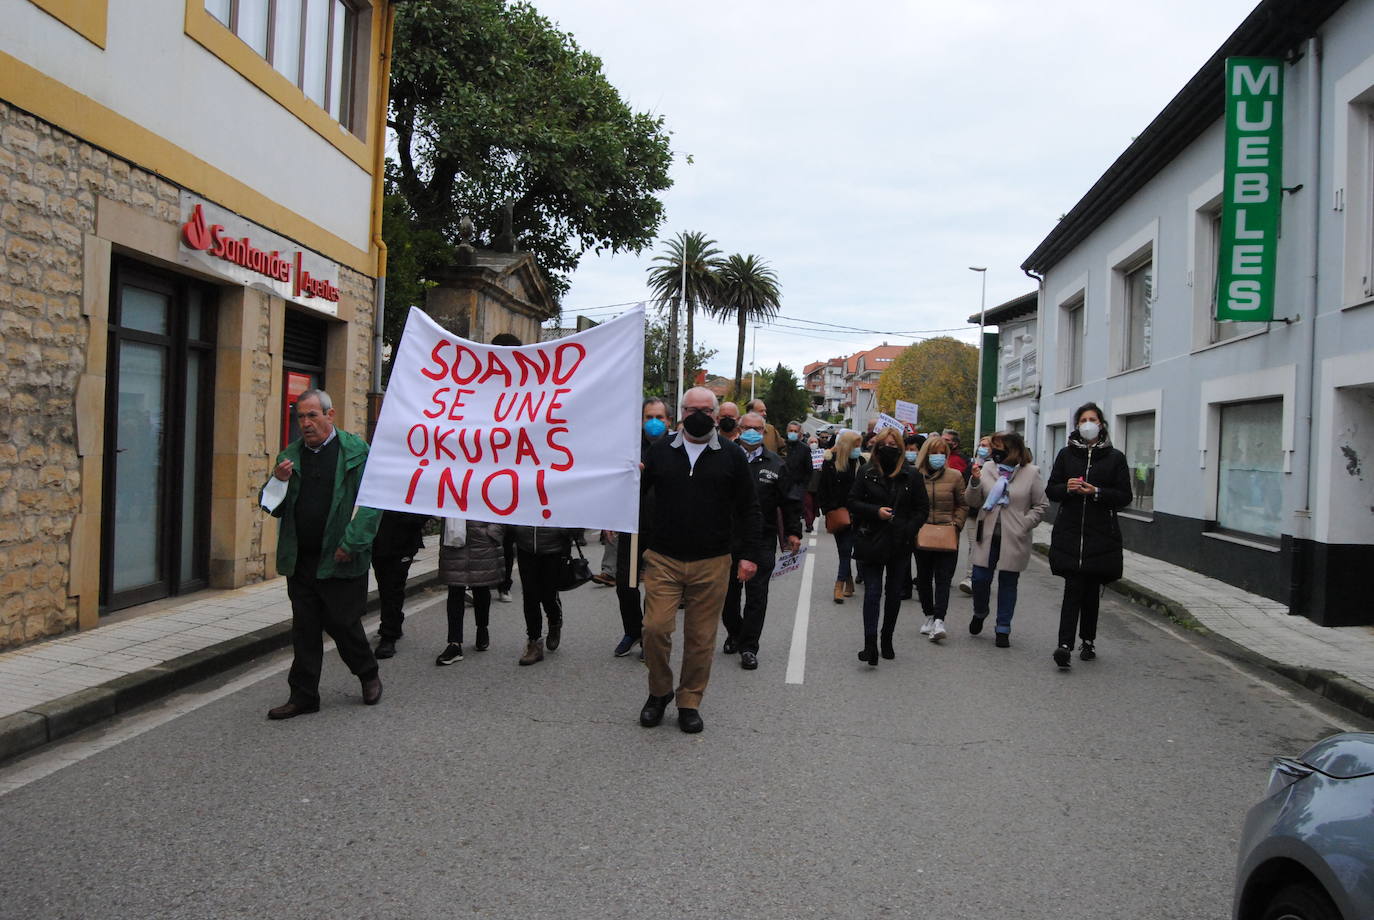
391	573
481	610
1078	612
539	589
934	572
883	592
330	605
747	629
508	549
631	607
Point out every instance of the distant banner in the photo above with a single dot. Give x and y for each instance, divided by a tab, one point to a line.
887	421
1252	190
540	434
907	411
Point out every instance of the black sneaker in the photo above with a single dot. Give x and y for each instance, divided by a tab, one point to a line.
975	625
454	652
730	646
1063	656
386	648
749	661
483	639
1004	640
1086	652
555	634
625	646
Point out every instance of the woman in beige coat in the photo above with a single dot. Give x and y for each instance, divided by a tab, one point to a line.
1009	497
944	487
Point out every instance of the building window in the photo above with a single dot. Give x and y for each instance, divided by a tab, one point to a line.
1250	468
304	341
1207	273
1071	343
1055	437
1138	444
1135	325
313	43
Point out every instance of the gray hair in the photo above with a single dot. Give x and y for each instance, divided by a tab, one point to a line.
325	402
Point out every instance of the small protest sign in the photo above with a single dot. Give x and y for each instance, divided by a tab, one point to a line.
906	411
512	434
789	562
817	458
887	421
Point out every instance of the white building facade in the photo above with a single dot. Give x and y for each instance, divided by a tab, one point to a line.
1252	444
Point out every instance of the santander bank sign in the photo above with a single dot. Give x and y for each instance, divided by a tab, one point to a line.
220	242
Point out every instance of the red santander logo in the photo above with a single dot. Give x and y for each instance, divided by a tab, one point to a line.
197	235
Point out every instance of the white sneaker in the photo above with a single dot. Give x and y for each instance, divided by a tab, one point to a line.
937	631
966	586
930	624
503	596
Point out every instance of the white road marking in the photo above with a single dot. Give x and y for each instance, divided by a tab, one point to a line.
796	657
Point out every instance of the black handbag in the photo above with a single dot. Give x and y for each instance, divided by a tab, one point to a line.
573	572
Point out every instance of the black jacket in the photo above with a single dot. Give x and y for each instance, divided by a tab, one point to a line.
399	534
1086	538
835	485
701	512
545	541
876	540
777	495
798	460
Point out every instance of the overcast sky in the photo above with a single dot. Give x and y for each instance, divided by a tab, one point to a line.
871	152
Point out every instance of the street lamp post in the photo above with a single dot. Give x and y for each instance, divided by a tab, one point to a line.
982	320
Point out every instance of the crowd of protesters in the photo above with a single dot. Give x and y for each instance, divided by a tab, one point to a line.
722	495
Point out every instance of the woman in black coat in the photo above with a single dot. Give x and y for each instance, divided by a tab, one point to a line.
888	505
1090	481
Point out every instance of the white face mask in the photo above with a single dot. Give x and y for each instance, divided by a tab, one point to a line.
1089	431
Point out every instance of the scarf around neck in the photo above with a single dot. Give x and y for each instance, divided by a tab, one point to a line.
998	494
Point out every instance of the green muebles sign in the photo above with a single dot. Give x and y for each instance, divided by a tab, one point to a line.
1252	190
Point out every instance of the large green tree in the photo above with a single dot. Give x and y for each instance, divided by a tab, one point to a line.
702	262
786	399
747	292
657	380
491	103
941	376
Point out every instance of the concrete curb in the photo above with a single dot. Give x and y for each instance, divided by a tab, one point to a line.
26	731
1330	685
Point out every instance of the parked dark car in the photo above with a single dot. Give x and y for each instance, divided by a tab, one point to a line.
1307	850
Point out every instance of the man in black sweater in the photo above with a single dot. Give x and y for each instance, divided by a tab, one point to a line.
704	502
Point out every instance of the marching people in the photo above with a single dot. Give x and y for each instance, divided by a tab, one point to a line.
1090	480
471	559
1010	499
888	507
323	548
781	512
398	539
798	460
937	542
841	464
979	457
771	439
911	450
653	426
704	503
727	421
957	461
539	553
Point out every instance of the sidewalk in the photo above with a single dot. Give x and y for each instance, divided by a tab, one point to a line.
54	688
1335	662
51	689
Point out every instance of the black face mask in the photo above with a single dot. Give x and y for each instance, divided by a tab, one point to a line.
889	455
727	424
698	424
998	456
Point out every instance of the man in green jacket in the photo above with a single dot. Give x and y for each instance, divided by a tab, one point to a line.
323	549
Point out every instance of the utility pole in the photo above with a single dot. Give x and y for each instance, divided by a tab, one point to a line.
682	303
754	362
982	321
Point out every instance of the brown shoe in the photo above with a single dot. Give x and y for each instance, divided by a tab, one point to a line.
839	592
602	578
849	587
291	710
534	651
372	691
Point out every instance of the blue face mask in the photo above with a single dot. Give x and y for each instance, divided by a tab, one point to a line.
983	452
911	456
751	437
654	427
936	461
855	454
791	435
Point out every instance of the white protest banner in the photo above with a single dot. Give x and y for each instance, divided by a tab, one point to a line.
542	434
906	411
789	562
817	458
887	421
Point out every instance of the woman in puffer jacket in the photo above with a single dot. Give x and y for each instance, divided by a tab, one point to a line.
539	553
1090	480
944	487
478	565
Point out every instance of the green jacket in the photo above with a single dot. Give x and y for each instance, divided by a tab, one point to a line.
345	528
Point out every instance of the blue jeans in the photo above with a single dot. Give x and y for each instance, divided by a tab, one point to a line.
1006	588
844	542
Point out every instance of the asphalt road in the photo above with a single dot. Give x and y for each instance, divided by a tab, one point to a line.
959	781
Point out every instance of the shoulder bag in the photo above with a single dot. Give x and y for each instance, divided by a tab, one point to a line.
573	572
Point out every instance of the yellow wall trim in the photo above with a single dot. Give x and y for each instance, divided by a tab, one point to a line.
212	35
85	17
82	116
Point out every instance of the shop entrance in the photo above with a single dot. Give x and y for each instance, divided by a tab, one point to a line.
160	379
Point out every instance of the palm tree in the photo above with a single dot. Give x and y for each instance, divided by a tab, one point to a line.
702	260
748	292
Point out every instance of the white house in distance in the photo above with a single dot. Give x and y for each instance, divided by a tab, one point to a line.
1253	441
1018	370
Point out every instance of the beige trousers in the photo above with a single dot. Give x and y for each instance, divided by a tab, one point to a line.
700	585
